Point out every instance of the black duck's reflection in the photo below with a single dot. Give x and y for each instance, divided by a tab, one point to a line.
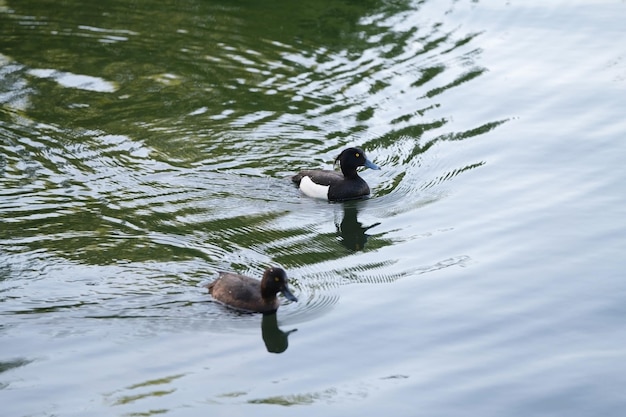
274	338
352	232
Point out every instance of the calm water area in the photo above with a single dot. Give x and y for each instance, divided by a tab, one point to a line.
145	146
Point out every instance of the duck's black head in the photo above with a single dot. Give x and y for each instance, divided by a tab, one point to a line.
275	281
352	158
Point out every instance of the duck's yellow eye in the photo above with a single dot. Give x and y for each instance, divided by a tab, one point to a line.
276	279
357	154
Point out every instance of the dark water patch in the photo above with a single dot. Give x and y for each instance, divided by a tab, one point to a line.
296	399
12	364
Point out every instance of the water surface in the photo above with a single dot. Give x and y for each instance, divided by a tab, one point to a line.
145	147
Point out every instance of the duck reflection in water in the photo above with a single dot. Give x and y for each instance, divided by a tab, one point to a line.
352	232
276	340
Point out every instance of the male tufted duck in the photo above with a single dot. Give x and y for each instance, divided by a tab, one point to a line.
334	185
249	294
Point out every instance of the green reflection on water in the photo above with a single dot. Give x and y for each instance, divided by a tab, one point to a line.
172	58
297	399
113	109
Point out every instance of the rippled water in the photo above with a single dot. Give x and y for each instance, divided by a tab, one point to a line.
145	147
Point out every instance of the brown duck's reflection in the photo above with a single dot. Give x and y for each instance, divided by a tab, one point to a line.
274	338
352	232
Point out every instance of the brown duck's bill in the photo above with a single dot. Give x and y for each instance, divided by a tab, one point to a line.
288	295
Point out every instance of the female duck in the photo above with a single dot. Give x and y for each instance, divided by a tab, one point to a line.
335	186
249	294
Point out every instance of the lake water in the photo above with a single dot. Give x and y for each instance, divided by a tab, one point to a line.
147	146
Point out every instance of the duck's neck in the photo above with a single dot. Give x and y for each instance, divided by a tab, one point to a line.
266	293
349	173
